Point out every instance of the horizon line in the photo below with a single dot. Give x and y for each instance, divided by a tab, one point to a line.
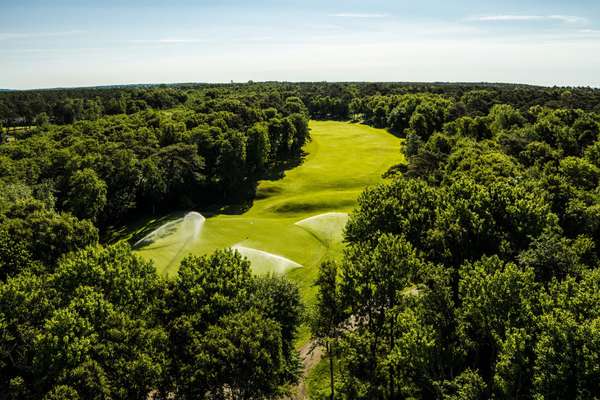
180	83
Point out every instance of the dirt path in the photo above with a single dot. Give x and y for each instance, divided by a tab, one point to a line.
310	356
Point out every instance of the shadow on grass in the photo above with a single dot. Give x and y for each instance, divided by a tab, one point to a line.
235	203
244	200
138	228
278	170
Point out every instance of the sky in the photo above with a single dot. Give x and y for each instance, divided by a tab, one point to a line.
67	43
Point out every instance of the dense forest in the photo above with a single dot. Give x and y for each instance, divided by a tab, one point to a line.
473	273
470	273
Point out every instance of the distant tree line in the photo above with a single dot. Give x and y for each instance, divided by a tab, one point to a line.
323	100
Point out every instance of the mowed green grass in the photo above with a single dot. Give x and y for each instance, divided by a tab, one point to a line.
342	160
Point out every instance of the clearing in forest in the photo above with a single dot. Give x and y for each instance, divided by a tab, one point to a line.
297	221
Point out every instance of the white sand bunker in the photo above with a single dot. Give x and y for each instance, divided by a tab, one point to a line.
328	227
264	263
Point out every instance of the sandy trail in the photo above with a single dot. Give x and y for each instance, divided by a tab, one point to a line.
310	354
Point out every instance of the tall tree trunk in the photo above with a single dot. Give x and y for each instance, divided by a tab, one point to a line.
392	372
331	377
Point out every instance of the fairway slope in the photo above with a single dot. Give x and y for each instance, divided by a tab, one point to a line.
297	221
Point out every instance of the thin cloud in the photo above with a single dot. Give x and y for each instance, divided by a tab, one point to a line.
168	41
29	35
359	15
179	41
569	19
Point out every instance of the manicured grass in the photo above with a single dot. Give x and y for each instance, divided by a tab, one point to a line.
342	159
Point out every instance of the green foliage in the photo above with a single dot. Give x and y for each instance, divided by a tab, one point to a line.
473	274
468	385
106	159
14	256
87	194
83	327
230	331
105	325
241	355
47	234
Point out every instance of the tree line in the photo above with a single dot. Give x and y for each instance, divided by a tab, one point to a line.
211	150
323	100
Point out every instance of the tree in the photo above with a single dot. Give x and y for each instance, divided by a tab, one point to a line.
328	315
258	148
592	154
241	355
553	256
505	117
478	102
279	299
375	281
41	120
91	326
494	299
229	331
86	197
48	235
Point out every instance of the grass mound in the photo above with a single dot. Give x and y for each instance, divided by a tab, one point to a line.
314	203
265	191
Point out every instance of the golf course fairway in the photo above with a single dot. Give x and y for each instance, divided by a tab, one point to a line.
297	221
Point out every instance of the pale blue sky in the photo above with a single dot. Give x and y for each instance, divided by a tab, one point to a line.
81	43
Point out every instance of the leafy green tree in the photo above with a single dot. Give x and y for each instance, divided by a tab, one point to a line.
478	102
48	235
295	105
468	385
91	326
41	120
14	256
505	117
554	256
221	319
279	299
328	315
24	305
258	147
374	282
592	153
580	172
86	197
403	206
62	392
241	355
494	298
473	127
